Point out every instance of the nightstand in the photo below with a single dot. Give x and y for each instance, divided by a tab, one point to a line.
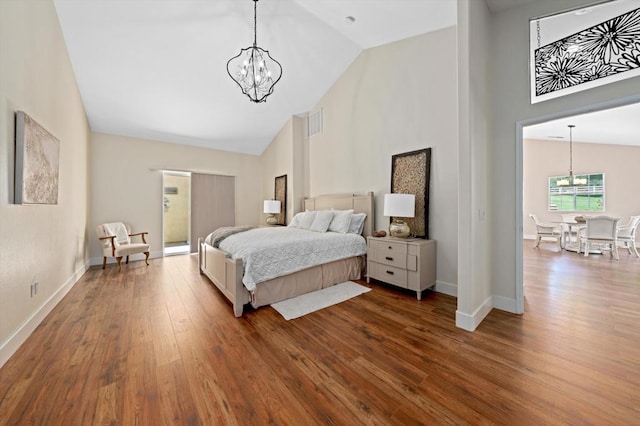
403	262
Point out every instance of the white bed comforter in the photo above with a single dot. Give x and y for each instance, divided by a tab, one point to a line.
271	252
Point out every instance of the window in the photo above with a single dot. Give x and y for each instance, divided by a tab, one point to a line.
581	198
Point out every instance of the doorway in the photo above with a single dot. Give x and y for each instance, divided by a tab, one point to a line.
176	216
609	116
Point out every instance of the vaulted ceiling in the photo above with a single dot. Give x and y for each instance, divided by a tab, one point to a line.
157	68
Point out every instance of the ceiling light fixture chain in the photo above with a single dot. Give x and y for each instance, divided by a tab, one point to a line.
255	23
255	71
571	126
572	181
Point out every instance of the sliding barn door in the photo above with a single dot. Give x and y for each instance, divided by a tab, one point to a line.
213	205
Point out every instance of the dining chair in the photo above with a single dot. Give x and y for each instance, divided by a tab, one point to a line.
601	230
546	230
627	234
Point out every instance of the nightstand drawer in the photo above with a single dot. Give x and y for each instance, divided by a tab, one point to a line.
407	263
390	253
389	274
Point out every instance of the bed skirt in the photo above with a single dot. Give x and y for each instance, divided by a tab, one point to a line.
307	280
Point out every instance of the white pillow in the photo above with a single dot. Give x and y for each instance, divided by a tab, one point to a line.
341	220
307	219
321	221
297	220
357	223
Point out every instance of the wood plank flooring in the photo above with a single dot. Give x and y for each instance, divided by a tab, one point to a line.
159	345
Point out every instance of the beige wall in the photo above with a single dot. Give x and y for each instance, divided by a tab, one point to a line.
126	182
285	156
46	243
544	158
394	98
510	106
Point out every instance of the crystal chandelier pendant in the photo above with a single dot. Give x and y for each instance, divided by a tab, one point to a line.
254	70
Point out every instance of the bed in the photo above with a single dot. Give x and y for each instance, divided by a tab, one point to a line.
227	273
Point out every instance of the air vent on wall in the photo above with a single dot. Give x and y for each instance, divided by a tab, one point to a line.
314	123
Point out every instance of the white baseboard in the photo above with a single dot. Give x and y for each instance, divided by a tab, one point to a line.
504	304
134	257
470	322
11	345
446	288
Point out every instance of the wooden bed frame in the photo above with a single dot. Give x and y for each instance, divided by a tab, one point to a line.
226	273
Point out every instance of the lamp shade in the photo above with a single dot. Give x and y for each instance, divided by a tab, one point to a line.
271	206
399	205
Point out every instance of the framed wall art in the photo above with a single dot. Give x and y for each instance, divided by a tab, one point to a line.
410	175
37	163
281	195
584	48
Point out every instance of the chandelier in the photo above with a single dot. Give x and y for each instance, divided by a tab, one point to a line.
253	69
572	181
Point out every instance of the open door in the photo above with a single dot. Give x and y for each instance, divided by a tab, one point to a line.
176	187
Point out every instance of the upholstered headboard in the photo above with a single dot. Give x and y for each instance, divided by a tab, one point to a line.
359	204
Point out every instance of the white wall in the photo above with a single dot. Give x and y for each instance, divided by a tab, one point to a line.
510	105
126	182
474	67
47	243
395	98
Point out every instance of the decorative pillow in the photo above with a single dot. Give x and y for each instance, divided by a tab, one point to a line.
341	220
307	219
296	222
321	221
357	223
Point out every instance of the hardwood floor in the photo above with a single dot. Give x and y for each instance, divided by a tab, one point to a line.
158	345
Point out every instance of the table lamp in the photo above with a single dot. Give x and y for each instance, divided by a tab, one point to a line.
399	206
271	207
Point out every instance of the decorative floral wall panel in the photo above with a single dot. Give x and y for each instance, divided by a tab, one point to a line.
588	54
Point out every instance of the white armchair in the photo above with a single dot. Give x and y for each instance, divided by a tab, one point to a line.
546	230
116	242
627	234
601	230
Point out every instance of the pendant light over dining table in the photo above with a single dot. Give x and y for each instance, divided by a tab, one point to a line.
572	181
253	69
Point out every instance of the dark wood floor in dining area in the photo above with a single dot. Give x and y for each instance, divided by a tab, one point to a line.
158	345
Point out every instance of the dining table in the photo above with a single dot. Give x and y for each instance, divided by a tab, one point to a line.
571	244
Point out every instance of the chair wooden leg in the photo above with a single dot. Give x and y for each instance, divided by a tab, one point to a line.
119	260
614	251
586	249
537	242
127	262
635	250
146	254
104	262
